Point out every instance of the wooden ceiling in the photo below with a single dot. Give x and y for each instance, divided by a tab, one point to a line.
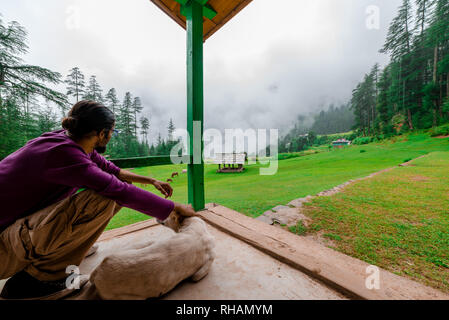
226	10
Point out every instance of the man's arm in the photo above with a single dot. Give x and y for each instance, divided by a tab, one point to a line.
104	164
130	177
69	166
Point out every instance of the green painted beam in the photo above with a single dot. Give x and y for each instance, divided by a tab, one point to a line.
202	2
182	2
195	102
208	11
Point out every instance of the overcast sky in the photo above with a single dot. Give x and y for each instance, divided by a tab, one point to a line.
273	61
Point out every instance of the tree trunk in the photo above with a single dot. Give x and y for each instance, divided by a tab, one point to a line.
434	112
76	87
440	111
447	86
435	64
403	94
409	117
2	76
135	123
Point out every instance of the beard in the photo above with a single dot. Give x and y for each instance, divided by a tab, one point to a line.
100	149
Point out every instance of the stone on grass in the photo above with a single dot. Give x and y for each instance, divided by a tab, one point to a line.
298	203
265	219
285	216
277	208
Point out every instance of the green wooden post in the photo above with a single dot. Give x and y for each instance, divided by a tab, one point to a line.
194	17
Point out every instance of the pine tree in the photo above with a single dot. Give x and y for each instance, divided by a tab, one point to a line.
424	7
152	150
17	79
47	120
171	129
399	36
384	112
144	125
136	108
75	84
111	101
438	39
125	117
20	84
94	91
374	78
440	29
398	44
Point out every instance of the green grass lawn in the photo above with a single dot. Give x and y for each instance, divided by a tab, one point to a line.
253	194
398	220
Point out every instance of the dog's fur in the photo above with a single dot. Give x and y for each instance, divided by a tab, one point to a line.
174	174
174	221
153	268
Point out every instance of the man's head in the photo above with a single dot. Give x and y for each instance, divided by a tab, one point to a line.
89	120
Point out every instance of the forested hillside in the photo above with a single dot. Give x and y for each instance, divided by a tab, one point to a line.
334	120
412	91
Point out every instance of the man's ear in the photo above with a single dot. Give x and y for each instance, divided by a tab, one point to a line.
103	134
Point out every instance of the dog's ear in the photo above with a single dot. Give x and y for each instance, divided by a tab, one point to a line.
173	221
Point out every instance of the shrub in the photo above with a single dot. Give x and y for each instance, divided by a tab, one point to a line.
142	161
440	131
285	156
333	236
362	140
299	229
379	137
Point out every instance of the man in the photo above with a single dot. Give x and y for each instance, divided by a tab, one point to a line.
45	226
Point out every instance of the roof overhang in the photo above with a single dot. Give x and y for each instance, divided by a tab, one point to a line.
217	12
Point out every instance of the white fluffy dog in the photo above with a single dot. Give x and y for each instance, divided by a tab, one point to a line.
151	269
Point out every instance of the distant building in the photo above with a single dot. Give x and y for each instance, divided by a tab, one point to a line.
229	161
340	143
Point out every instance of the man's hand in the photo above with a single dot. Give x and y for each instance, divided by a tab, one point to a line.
130	177
185	210
164	187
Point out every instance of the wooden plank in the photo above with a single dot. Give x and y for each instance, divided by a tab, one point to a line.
229	16
115	233
346	274
171	13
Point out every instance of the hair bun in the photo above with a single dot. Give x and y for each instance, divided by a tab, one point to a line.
69	123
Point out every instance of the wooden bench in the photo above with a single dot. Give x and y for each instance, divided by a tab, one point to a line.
230	162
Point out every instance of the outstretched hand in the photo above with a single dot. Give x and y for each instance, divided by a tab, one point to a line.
164	187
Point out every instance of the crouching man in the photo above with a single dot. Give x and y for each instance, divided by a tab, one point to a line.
45	226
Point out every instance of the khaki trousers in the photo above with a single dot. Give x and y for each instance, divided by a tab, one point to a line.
45	243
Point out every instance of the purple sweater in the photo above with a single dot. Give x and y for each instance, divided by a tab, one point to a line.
52	167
